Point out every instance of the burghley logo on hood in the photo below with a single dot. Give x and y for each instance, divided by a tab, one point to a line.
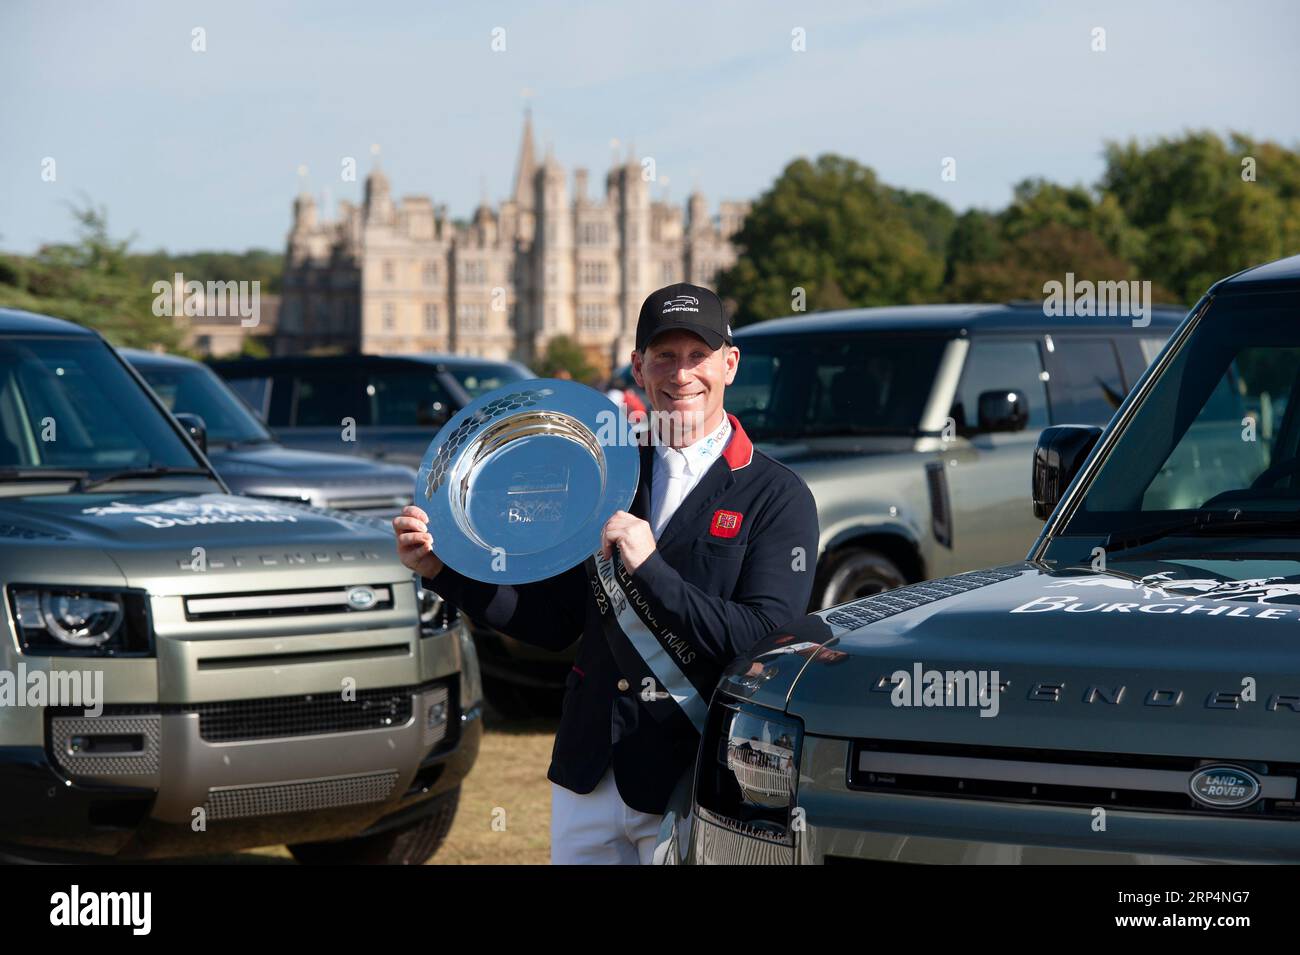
1173	596
190	513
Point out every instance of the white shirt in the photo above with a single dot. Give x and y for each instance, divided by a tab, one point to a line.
676	472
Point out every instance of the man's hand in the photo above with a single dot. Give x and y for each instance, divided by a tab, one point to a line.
633	536
414	542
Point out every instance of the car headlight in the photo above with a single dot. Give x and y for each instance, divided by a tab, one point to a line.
749	769
69	620
435	613
471	676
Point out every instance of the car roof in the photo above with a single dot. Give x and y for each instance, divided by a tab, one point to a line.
1280	274
16	321
1012	316
138	357
423	359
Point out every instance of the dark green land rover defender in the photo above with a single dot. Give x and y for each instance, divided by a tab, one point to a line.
1128	693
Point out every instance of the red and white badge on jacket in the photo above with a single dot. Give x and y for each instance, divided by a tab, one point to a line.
726	523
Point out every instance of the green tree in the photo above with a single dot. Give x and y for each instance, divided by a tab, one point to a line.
830	228
932	218
563	354
90	282
1037	202
1024	263
1202	219
976	237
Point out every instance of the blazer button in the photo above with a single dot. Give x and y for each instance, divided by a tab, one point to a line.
623	685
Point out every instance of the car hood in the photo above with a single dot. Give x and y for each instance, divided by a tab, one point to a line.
308	467
1158	657
154	538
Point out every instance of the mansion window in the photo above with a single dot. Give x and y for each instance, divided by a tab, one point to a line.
389	271
430	317
591	318
430	272
593	273
593	233
472	317
390	316
473	272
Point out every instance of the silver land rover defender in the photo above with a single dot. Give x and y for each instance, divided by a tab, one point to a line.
184	671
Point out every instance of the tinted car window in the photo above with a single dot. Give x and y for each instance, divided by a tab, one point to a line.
323	397
793	386
1085	381
255	392
68	403
993	365
191	389
1193	443
478	379
406	397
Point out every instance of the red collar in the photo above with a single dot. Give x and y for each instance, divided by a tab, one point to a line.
739	450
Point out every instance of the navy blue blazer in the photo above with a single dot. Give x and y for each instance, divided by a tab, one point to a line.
720	580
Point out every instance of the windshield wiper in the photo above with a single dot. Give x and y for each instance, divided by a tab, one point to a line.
1203	522
37	474
234	443
86	482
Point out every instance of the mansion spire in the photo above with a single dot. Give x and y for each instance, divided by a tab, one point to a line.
523	194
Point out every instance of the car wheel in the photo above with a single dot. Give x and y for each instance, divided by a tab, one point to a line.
412	844
854	572
515	702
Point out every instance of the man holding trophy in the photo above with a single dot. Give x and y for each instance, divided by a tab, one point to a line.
716	549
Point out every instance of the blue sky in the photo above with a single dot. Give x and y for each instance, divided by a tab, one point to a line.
201	150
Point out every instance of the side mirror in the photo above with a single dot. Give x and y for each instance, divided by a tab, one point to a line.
1006	410
196	428
1058	457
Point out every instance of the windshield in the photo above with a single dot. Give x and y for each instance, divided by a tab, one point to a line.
68	404
797	386
479	379
1216	438
193	389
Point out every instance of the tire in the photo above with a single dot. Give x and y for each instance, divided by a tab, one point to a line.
851	573
515	702
412	844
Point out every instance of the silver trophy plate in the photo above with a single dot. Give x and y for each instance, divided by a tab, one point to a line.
519	483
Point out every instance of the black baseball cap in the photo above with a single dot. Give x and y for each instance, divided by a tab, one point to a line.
689	307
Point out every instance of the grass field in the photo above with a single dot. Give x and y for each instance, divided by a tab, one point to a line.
508	787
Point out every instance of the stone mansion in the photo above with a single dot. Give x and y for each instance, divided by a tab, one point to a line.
396	276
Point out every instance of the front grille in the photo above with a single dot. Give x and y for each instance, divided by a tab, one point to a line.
311	714
1146	783
288	603
859	613
241	802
